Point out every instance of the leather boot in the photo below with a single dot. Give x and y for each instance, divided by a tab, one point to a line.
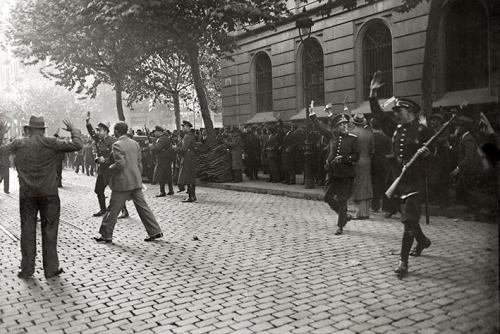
417	250
406	243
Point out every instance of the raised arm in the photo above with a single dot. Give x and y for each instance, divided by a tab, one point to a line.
320	127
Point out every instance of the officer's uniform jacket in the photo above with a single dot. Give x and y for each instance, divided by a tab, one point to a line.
342	145
162	147
104	147
407	139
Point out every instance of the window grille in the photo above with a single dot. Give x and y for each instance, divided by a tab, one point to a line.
313	72
264	83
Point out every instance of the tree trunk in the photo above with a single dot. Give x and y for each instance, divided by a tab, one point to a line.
119	102
202	96
431	37
177	111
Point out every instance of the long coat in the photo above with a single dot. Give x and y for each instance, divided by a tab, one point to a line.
236	145
362	188
188	170
162	148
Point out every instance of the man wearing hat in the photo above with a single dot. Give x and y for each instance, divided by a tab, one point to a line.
440	164
162	148
408	139
104	143
467	169
37	158
188	169
340	165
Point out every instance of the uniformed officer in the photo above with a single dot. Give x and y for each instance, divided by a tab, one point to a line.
188	169
407	141
162	148
104	143
343	154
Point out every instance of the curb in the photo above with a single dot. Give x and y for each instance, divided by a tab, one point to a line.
277	192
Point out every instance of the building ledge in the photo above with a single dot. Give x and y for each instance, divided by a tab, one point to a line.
470	96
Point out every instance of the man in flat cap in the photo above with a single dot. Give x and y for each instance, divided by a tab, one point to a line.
162	148
104	143
37	158
340	165
188	169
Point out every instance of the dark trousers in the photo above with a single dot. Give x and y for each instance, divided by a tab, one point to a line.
5	177
49	207
237	175
379	186
117	203
89	168
410	215
101	183
252	166
338	191
274	169
165	177
59	173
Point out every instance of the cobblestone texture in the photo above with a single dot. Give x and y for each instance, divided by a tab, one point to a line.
263	264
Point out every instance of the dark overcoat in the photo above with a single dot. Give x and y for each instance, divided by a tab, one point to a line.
189	168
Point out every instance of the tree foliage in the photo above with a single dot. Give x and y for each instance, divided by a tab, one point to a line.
77	47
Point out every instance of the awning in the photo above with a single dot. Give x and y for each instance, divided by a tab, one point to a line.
364	107
471	96
262	117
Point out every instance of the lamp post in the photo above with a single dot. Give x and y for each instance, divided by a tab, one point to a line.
304	25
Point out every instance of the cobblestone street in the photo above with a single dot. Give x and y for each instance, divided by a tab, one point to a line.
261	264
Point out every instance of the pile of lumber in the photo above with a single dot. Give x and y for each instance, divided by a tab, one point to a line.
215	165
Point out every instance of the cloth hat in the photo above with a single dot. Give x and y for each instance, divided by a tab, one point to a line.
36	122
187	123
159	128
342	118
104	126
437	116
359	119
411	105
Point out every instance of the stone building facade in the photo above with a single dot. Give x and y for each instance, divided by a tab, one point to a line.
274	73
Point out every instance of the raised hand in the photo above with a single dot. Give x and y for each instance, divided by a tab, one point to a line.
68	124
376	81
87	120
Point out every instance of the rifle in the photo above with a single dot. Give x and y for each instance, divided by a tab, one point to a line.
390	191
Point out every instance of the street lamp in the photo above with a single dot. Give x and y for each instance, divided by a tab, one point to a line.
304	25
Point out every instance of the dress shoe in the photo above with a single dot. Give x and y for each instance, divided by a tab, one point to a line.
388	215
123	215
161	195
189	200
100	213
154	237
360	218
402	269
102	240
24	275
57	273
181	190
417	250
339	231
171	192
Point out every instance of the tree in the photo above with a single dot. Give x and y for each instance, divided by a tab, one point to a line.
192	27
77	47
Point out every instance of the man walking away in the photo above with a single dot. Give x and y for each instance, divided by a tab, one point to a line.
162	148
37	158
125	184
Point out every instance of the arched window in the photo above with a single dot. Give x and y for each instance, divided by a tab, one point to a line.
377	56
466	32
313	72
263	82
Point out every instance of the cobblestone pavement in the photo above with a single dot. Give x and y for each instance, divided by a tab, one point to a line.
262	264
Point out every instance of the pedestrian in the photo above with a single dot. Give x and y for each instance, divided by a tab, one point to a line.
88	158
235	144
438	173
273	155
340	165
188	167
37	157
362	188
126	183
162	149
468	169
252	153
380	163
5	170
104	143
408	139
288	155
79	162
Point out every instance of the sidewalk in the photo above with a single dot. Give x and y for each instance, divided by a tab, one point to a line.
298	190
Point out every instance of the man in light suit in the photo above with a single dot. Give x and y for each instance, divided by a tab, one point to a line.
126	183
